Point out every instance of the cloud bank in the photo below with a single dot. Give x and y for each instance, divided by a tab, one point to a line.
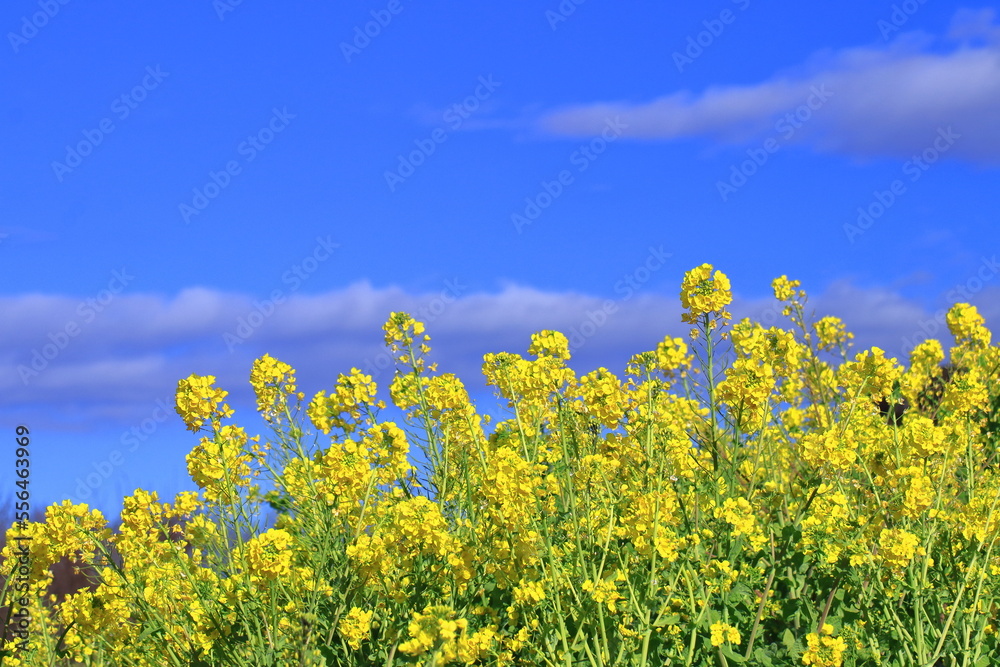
128	358
884	100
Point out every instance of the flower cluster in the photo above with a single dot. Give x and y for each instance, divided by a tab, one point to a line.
760	506
704	293
273	381
342	408
824	650
197	401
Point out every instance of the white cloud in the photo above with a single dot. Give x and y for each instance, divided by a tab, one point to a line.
970	25
883	101
122	363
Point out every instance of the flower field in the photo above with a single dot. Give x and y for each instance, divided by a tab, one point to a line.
748	495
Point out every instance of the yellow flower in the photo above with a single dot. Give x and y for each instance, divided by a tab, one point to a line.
220	464
824	650
919	490
604	396
967	325
197	401
436	629
273	382
723	632
549	344
401	331
870	374
830	448
966	393
739	514
672	356
927	355
921	438
529	592
746	390
356	626
269	554
703	293
827	525
832	333
897	547
605	591
352	393
784	289
719	575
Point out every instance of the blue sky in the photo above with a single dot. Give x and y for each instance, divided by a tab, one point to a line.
186	188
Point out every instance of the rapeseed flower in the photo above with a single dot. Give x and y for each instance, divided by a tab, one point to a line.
221	465
197	401
672	357
343	407
870	374
897	547
595	491
356	626
723	633
605	592
831	333
967	325
273	382
704	293
269	555
785	289
824	650
549	343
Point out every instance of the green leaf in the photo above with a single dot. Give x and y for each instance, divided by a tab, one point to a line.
788	639
850	614
790	533
730	654
741	590
147	631
763	658
667	620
